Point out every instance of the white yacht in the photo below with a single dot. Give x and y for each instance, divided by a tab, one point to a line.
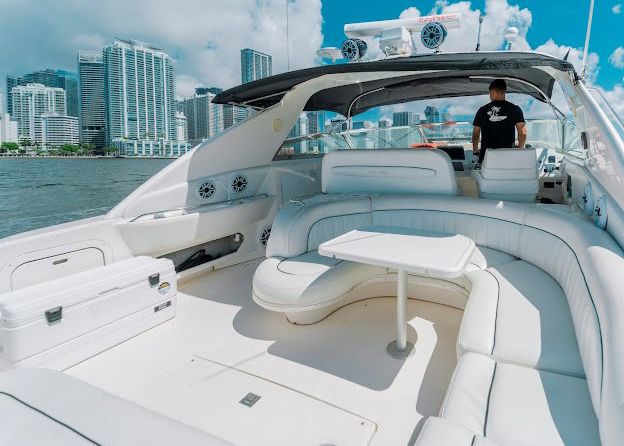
351	287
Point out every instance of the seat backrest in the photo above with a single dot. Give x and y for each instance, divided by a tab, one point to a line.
509	164
403	171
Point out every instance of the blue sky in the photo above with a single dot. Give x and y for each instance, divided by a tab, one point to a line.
205	36
563	21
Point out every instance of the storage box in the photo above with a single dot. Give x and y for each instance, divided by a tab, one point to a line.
62	322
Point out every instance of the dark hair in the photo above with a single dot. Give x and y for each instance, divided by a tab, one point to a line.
498	85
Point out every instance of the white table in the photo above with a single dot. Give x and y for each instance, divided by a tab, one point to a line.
409	251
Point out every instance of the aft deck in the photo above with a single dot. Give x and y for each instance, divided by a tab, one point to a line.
317	383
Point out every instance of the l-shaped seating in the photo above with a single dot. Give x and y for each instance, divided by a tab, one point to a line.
540	347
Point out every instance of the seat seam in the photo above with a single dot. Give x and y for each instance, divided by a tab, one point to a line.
498	294
77	432
487	406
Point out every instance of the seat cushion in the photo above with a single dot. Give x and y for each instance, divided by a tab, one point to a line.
441	432
524	320
519	406
307	281
41	406
483	257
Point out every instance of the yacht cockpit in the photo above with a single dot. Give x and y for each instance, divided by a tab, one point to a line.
348	284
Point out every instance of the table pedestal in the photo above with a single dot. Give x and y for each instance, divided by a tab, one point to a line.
401	348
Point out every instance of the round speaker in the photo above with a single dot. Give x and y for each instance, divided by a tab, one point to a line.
238	183
353	49
432	35
206	189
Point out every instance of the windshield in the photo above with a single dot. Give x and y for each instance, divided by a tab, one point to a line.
553	134
608	111
432	123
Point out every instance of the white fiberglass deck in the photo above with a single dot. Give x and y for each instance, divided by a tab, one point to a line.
333	376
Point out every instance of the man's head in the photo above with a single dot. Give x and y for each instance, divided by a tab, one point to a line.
498	87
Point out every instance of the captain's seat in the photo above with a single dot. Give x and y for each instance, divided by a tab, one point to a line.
508	174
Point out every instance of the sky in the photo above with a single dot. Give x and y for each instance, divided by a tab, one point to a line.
205	36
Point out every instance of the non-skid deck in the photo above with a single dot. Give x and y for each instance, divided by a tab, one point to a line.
328	382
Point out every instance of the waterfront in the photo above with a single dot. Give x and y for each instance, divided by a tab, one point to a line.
40	192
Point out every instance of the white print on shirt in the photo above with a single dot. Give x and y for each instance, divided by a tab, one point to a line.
494	116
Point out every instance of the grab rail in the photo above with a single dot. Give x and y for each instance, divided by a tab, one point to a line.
178	212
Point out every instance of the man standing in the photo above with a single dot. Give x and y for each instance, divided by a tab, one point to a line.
497	122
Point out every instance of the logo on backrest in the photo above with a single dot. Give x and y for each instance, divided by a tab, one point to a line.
164	288
378	172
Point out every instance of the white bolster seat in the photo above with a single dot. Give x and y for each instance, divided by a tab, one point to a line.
42	406
508	174
402	171
517	313
519	406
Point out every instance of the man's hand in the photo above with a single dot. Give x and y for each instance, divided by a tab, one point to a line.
476	135
522	134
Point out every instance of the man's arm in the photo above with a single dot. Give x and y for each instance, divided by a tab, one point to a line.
476	135
522	134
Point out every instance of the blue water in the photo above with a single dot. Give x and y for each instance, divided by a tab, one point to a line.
39	192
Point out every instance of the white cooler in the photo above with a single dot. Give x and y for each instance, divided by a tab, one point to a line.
60	323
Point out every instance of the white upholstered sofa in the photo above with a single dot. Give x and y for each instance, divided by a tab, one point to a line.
540	347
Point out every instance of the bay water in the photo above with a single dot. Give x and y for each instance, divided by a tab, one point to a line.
39	192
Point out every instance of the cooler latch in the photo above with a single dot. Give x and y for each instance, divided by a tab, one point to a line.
54	315
154	279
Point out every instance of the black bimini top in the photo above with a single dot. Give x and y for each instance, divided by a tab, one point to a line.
464	74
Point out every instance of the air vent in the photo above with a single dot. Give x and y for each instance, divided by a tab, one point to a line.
264	236
238	183
206	189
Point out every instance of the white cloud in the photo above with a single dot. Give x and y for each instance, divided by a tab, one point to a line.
575	57
617	9
410	13
615	98
498	16
204	38
617	57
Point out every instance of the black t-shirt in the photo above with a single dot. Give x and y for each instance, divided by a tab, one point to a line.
498	121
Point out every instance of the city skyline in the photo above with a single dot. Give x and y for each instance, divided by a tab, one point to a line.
208	53
125	98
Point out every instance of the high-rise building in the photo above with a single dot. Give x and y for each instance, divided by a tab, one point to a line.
204	119
446	117
233	115
8	127
255	65
300	129
31	101
11	81
91	87
206	90
139	92
54	130
432	114
405	118
181	127
384	123
66	80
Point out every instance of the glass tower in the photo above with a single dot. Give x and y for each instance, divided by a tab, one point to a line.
255	65
92	110
66	80
139	92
